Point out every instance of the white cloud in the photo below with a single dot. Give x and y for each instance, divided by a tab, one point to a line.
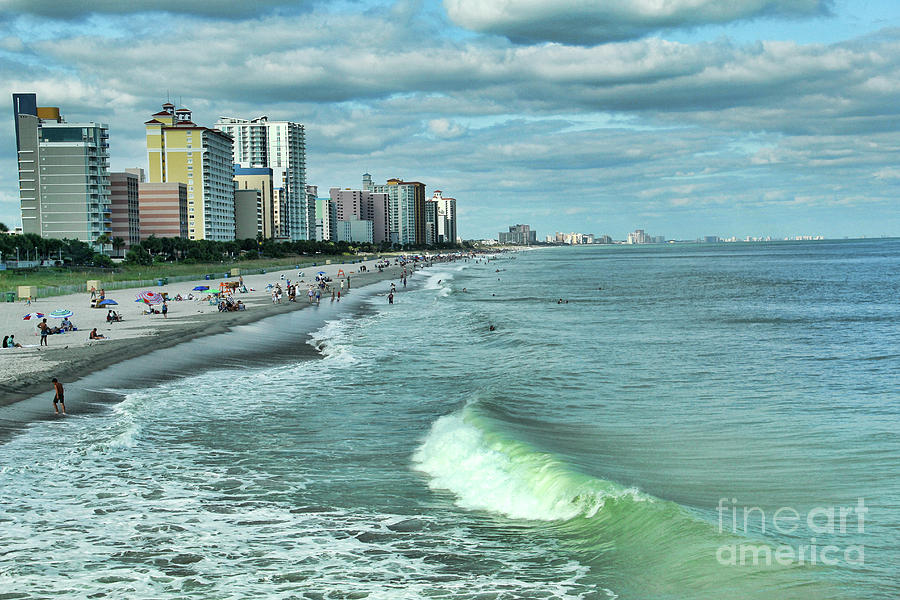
446	129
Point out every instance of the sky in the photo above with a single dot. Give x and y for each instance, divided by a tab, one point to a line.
684	118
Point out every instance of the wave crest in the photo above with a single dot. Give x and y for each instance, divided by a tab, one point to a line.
487	471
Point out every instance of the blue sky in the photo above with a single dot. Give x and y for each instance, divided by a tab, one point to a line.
749	117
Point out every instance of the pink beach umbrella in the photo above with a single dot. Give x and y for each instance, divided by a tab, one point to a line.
150	297
35	315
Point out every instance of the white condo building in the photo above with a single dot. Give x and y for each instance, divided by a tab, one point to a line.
445	218
280	146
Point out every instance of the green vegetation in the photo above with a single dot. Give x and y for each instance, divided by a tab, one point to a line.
156	258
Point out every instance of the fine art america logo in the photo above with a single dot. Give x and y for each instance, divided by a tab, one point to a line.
827	521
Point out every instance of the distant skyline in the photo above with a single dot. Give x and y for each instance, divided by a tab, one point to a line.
745	118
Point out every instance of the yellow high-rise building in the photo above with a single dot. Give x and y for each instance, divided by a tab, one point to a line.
178	150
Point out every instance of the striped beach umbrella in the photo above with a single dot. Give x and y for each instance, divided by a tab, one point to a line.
61	313
31	316
150	297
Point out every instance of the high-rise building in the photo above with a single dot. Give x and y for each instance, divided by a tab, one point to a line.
164	210
518	234
363	205
355	230
64	184
180	151
445	219
250	178
312	192
326	220
406	210
280	146
125	208
248	214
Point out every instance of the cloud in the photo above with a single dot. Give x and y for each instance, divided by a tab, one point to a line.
841	88
444	128
592	21
700	131
67	9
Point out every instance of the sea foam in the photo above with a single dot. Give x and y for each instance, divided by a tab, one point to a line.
488	471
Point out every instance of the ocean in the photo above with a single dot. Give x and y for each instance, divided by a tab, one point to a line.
644	422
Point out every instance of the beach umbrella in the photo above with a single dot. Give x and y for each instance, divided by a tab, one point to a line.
200	288
62	313
31	316
107	302
150	297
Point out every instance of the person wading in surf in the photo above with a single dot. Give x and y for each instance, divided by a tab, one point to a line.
59	397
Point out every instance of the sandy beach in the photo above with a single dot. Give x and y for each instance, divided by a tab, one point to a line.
26	371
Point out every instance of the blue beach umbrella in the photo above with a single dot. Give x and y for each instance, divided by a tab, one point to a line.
200	288
107	302
62	313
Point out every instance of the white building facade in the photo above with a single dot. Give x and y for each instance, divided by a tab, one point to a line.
280	146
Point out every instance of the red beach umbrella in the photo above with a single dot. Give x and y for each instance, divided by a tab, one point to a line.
150	297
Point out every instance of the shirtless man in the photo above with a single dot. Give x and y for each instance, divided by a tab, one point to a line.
45	331
59	397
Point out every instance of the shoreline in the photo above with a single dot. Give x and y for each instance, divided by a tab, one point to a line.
79	358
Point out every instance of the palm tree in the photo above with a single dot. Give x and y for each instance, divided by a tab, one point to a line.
118	244
102	240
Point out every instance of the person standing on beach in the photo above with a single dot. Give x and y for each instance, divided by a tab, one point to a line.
391	298
165	310
59	397
332	295
45	331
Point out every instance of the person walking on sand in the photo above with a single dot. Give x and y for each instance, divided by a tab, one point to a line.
45	331
59	397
